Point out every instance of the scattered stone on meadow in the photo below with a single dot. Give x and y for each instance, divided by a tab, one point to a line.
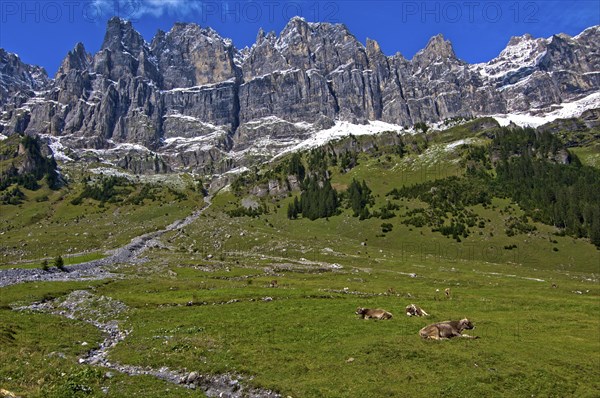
56	354
192	377
349	360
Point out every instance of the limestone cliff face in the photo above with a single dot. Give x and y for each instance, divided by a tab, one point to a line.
18	81
196	101
189	56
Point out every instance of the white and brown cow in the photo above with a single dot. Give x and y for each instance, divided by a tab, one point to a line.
447	330
366	313
415	310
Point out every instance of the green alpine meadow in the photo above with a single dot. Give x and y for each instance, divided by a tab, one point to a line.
267	296
306	213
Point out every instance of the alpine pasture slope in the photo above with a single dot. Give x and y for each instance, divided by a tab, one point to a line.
199	305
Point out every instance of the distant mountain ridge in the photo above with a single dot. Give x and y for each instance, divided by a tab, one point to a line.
189	100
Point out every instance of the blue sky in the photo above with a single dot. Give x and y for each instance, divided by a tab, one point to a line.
43	31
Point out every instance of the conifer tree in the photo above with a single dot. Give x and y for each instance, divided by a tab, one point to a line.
59	263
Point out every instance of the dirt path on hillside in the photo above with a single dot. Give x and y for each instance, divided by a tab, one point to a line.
96	269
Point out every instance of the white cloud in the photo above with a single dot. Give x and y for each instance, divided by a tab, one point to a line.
132	9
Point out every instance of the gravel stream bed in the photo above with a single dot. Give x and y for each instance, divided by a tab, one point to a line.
96	269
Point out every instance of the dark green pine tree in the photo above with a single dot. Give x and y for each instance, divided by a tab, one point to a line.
318	200
359	196
295	166
294	209
364	214
297	205
594	230
59	263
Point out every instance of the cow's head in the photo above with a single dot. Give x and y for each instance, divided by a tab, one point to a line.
465	324
411	310
360	311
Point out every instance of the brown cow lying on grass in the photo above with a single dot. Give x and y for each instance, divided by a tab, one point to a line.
367	313
415	310
447	330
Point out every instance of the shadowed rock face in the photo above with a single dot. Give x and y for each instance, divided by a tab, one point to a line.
192	84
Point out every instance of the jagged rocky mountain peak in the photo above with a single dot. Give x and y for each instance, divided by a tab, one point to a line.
79	50
260	36
372	46
321	46
11	64
398	56
120	35
193	101
159	37
189	55
437	49
314	34
263	36
298	24
124	53
524	43
76	59
515	40
18	80
590	33
194	32
440	46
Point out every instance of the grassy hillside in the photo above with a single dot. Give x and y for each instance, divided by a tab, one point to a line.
203	301
71	223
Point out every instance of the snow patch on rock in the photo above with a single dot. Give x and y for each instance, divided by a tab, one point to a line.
340	130
536	118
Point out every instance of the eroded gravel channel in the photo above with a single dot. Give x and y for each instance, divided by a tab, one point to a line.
96	269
